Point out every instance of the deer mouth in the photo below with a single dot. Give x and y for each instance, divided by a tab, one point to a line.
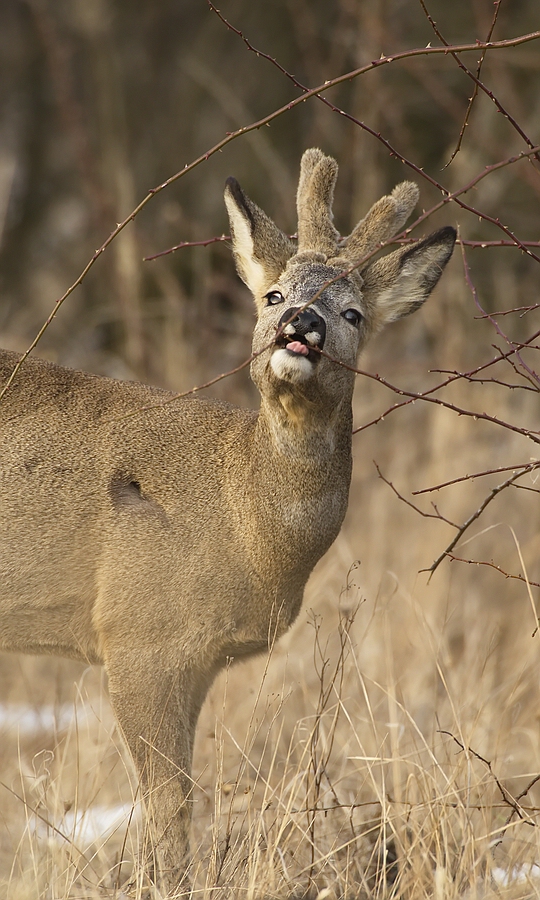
300	346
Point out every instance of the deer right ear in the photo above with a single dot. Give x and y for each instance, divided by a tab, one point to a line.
399	283
261	250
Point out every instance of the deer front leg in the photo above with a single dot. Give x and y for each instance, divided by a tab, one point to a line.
157	704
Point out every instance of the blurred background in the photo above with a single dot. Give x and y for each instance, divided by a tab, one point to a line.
102	100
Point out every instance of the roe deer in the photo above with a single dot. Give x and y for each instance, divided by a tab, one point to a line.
164	543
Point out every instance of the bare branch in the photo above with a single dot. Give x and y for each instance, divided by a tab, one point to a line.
525	467
472	518
435	515
492	565
476	245
507	312
497	5
454	52
507	797
495	324
184	244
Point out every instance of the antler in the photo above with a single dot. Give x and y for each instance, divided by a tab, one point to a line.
316	231
384	219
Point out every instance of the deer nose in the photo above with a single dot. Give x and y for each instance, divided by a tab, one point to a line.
304	320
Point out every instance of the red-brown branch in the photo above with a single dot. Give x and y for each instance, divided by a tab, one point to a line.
472	518
461	135
422	512
479	84
492	565
525	467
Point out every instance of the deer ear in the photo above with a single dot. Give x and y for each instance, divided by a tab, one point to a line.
261	250
398	284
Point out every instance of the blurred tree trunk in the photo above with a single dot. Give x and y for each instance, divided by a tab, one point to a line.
116	171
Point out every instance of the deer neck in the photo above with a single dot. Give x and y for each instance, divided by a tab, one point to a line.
295	427
302	448
291	495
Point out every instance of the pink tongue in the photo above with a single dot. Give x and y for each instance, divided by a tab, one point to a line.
298	347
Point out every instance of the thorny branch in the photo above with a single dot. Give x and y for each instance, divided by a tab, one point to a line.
184	245
427	515
460	529
472	518
474	95
525	467
455	54
495	324
508	799
492	565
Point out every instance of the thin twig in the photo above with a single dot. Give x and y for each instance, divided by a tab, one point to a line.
525	467
519	797
426	515
507	797
475	245
454	52
492	565
472	518
526	487
214	240
184	244
506	384
508	312
524	375
199	387
532	374
497	5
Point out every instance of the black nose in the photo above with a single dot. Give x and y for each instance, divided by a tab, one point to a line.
304	321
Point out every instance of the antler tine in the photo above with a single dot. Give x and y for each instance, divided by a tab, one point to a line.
384	219
316	232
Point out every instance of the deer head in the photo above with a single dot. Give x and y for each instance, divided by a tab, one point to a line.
325	291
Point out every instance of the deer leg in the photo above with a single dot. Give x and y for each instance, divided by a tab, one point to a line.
157	705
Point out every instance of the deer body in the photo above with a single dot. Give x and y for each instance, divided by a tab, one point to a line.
162	539
108	505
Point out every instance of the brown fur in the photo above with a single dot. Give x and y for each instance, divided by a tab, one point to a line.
163	542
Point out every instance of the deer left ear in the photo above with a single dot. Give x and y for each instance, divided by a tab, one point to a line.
398	284
261	250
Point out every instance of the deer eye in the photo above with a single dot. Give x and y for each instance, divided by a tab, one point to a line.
352	316
273	298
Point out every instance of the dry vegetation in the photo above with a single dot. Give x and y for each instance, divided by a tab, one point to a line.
389	745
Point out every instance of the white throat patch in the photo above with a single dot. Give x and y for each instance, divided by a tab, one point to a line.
291	366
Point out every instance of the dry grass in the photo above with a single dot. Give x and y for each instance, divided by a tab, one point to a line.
348	764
